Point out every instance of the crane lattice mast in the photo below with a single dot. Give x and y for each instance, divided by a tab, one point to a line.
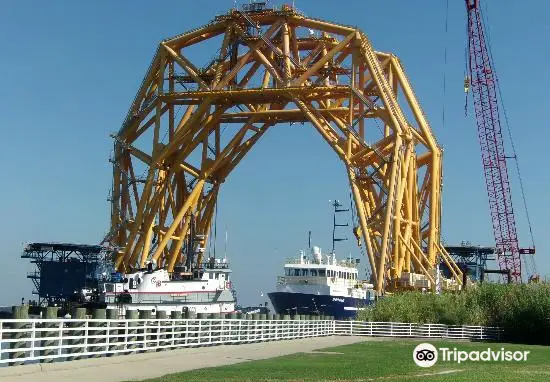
484	89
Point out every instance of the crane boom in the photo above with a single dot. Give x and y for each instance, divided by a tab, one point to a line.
483	83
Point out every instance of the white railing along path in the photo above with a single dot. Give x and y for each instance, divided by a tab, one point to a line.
43	340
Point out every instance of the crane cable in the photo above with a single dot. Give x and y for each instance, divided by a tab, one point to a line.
445	60
512	144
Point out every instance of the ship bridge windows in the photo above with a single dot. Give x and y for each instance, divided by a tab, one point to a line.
215	275
197	274
309	272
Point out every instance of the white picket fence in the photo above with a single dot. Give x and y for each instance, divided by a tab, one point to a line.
28	341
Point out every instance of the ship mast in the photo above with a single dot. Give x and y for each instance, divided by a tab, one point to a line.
336	204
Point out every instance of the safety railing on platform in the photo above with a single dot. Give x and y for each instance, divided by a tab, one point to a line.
49	340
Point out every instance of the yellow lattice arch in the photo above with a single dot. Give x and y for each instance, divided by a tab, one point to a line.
277	66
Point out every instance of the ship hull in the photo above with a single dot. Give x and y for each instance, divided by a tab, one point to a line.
303	303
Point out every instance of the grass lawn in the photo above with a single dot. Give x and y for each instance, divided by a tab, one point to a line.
379	360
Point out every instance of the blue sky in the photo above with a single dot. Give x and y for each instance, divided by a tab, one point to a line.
69	71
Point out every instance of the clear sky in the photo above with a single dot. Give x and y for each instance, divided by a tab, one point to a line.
69	71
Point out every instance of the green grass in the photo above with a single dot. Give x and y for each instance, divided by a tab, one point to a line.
378	360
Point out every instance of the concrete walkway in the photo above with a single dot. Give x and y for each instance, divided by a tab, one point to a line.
151	365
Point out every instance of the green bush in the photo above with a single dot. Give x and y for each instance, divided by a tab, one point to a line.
522	310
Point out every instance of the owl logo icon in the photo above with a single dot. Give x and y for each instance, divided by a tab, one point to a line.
425	355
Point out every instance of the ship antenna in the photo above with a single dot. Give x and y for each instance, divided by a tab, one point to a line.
225	246
309	241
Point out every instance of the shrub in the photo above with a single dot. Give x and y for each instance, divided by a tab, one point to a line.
522	310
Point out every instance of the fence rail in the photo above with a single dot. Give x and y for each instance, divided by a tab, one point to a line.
401	329
28	341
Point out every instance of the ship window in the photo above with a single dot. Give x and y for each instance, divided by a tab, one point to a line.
217	276
210	276
314	272
132	284
304	272
321	273
288	271
296	272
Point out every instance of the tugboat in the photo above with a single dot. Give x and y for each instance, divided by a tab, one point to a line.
321	284
207	289
193	286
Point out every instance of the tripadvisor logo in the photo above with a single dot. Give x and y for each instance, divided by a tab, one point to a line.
426	355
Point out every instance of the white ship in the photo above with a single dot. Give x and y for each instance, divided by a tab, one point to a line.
321	284
207	289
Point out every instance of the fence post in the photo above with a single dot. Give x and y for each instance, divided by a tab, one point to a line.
191	331
19	313
145	315
176	328
112	314
49	313
161	335
98	320
217	327
78	314
200	330
131	330
232	324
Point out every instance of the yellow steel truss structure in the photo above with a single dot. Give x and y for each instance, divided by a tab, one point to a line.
190	125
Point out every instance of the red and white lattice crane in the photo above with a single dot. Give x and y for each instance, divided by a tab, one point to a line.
483	81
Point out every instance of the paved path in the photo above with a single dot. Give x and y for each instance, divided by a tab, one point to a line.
151	365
